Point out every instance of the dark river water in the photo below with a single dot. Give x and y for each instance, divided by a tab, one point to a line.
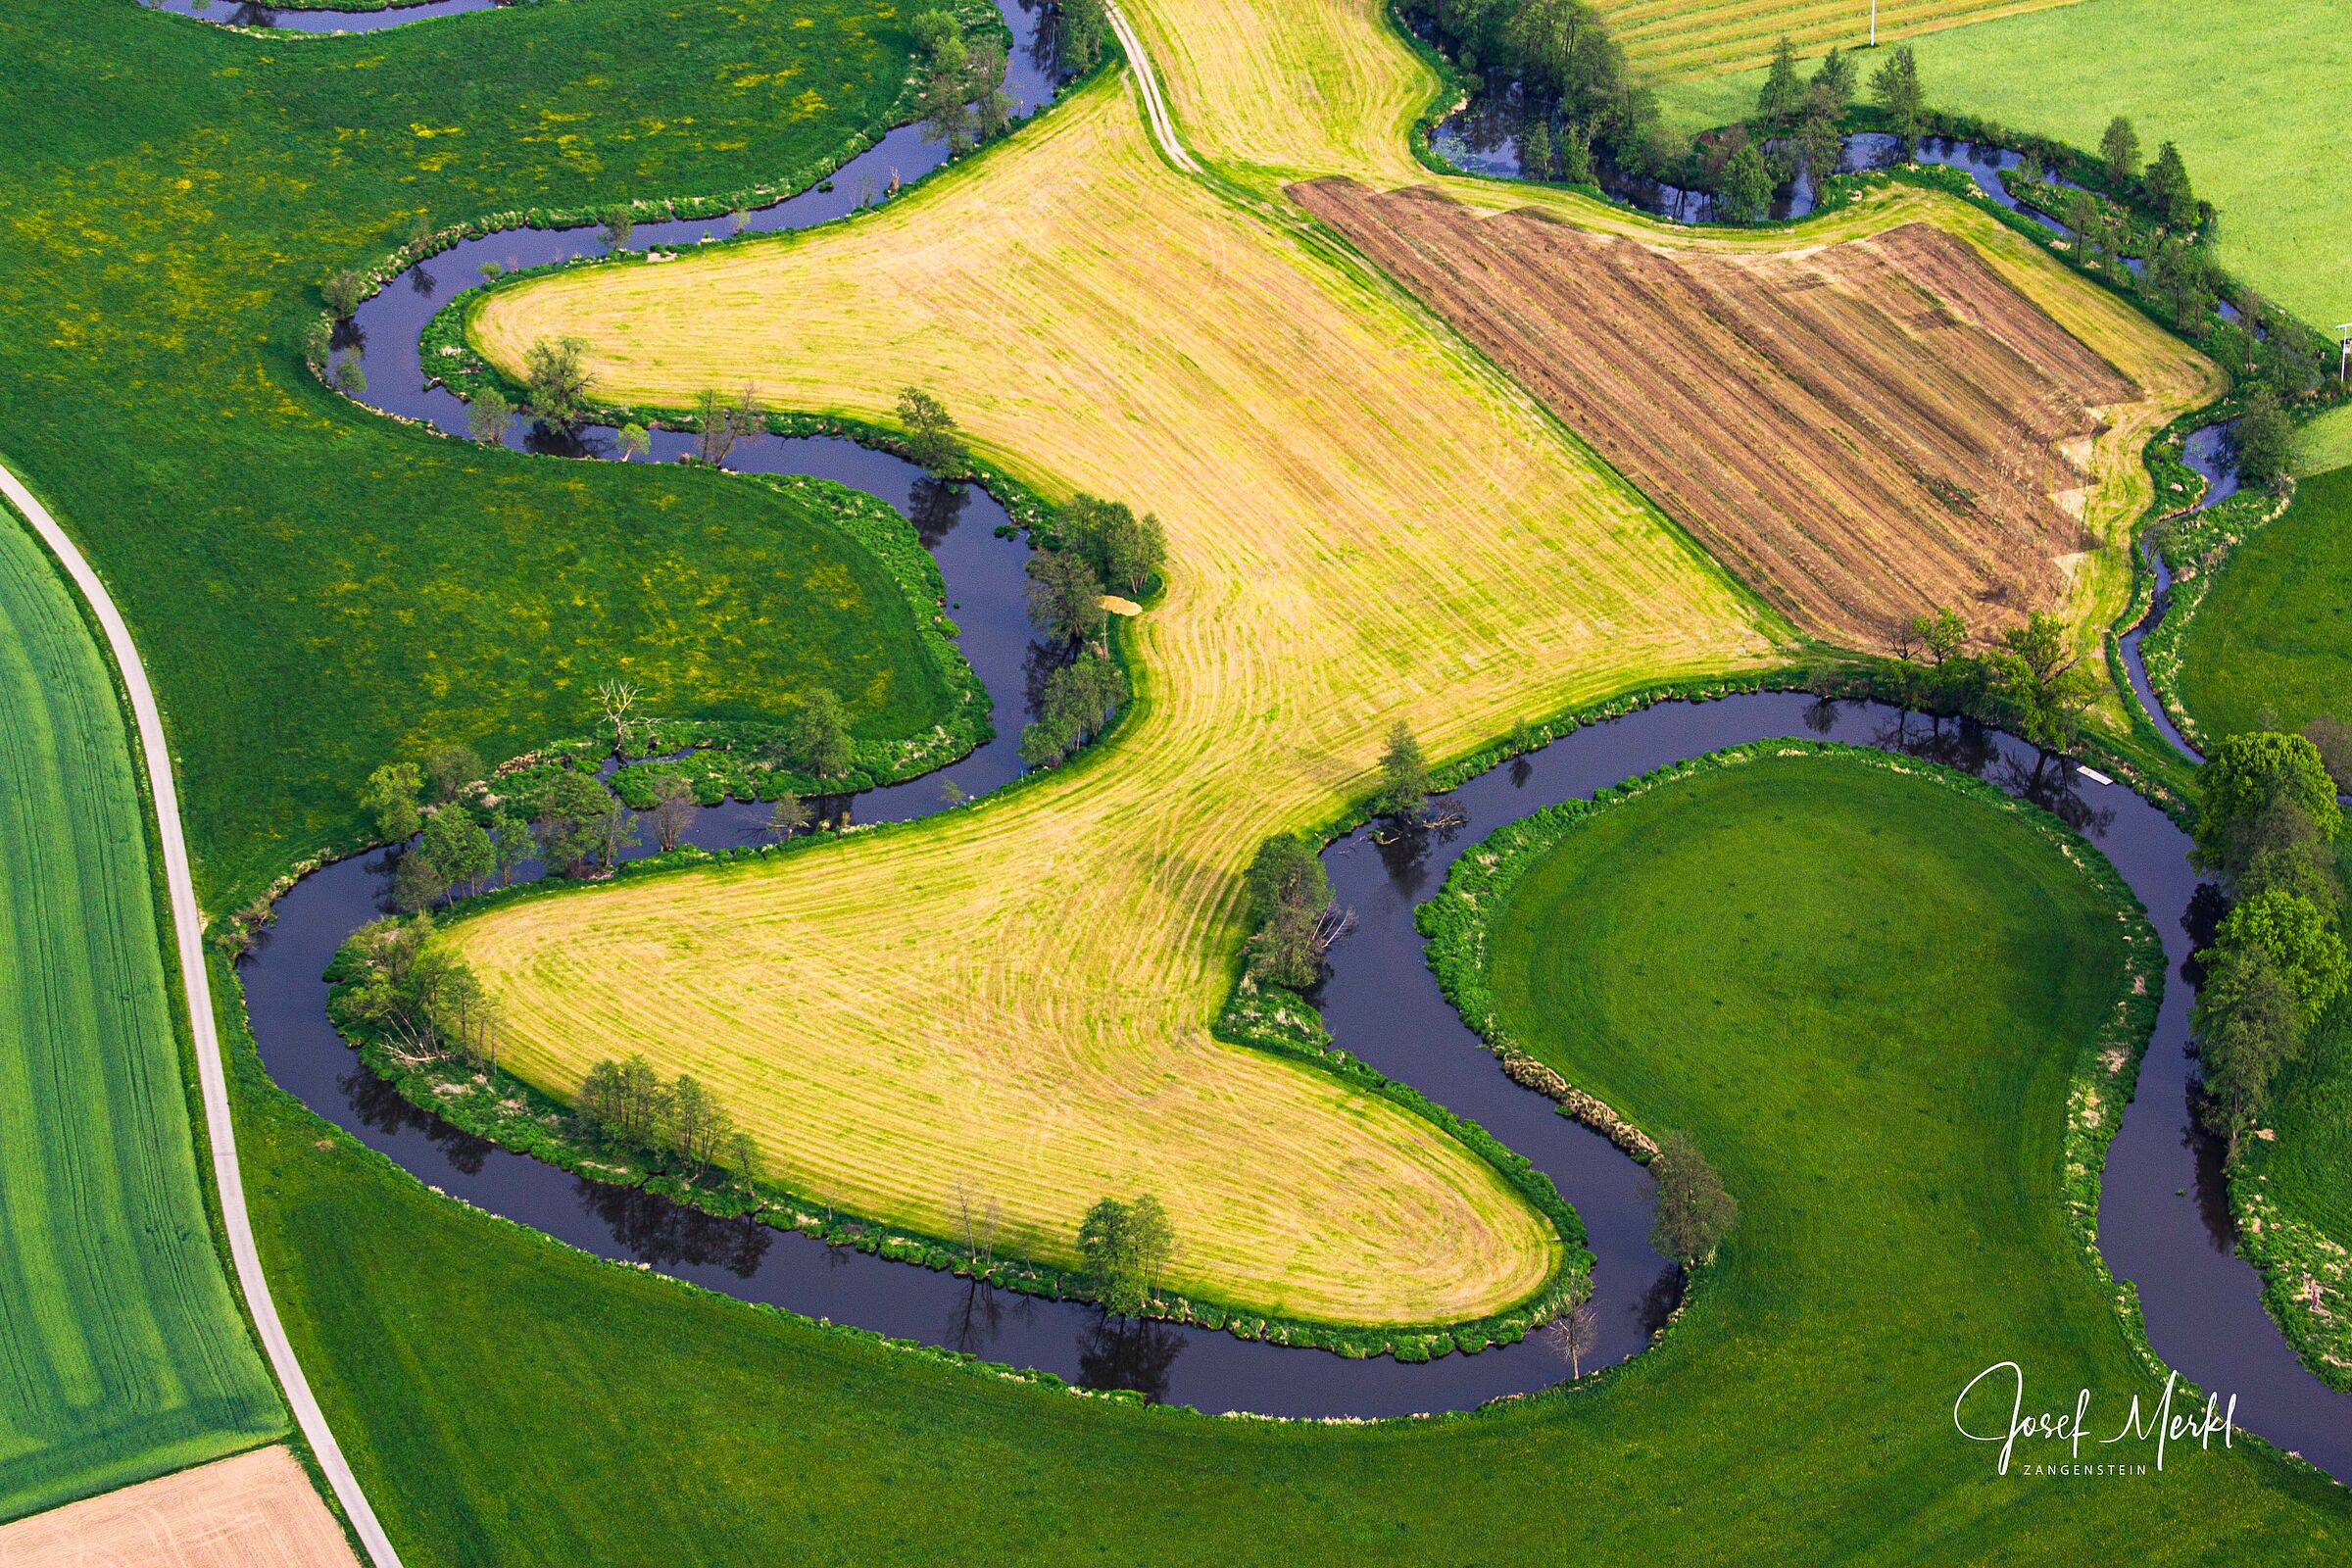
2164	1222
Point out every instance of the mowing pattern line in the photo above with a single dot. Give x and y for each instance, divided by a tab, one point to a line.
188	932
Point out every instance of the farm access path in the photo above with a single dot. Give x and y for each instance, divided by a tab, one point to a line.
188	925
1368	523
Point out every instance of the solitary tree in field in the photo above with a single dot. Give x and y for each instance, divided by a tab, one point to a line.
2120	148
557	380
488	415
1895	84
1404	776
1695	1213
931	439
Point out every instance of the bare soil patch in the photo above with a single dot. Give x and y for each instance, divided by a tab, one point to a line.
257	1510
1860	430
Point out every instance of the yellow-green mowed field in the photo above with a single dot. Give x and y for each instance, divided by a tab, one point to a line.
1367	524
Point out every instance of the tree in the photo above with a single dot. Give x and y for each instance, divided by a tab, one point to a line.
1695	1213
580	824
2242	776
1784	96
457	847
391	799
619	225
2045	687
1834	81
417	883
2294	932
1066	597
351	375
719	423
317	342
344	291
2081	219
626	1102
817	738
488	415
1404	776
2118	146
1535	151
1085	35
1576	1333
2265	441
511	837
1290	893
1819	145
2331	738
634	441
931	439
1895	84
617	697
673	812
2184	277
1941	633
1121	547
1745	193
1125	1246
450	768
2169	190
787	817
1080	699
558	382
2247	1027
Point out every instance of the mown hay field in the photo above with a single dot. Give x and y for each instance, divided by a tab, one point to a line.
257	1510
1367	523
122	1353
1701	37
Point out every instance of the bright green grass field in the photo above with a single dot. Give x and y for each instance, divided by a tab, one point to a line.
2251	89
2325	443
122	1354
2308	1170
318	589
2275	631
1863	995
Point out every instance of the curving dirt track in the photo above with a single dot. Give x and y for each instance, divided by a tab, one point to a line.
1862	431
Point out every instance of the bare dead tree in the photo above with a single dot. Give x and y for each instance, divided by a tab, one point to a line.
617	697
1576	1333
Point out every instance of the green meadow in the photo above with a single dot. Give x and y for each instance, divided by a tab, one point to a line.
2272	644
2251	89
122	1353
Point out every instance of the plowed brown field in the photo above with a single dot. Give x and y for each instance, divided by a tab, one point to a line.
1862	431
257	1510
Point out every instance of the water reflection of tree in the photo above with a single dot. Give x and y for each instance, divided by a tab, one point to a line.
422	280
1116	1352
980	1313
1657	1303
935	507
653	1230
1043	49
349	334
1404	848
2212	1179
1038	665
381	1107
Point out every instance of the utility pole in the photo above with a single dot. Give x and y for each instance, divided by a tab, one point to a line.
1874	24
2343	361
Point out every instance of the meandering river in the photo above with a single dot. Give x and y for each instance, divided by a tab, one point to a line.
2165	1221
